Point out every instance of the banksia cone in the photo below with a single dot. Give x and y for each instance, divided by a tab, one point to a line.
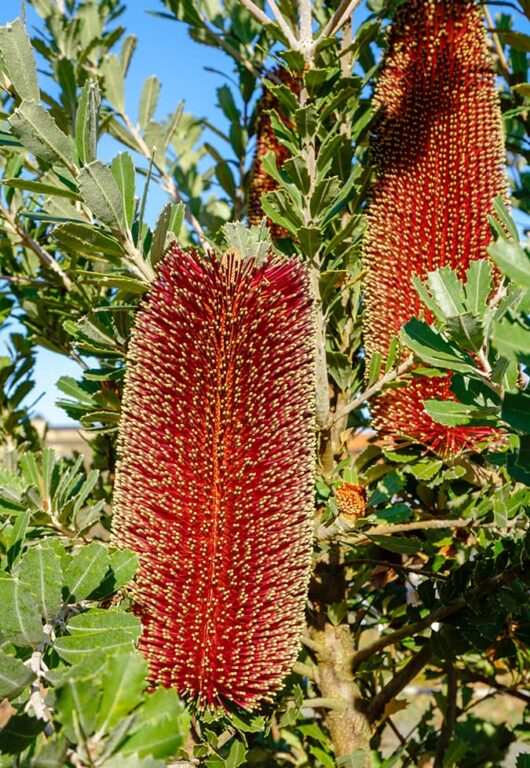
267	141
438	151
214	488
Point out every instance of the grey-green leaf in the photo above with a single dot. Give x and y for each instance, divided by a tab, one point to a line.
102	195
114	82
148	101
14	676
86	122
40	134
40	567
122	168
17	53
21	621
123	686
86	571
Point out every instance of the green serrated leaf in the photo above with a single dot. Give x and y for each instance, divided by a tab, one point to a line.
21	621
160	728
112	71
102	195
86	571
431	347
14	676
512	260
478	286
148	101
39	133
89	240
40	567
17	55
86	122
122	168
123	683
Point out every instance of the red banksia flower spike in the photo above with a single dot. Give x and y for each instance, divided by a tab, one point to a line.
215	480
267	141
438	152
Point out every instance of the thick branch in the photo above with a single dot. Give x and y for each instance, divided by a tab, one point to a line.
392	375
400	680
438	615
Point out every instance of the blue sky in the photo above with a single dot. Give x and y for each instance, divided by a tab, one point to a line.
164	49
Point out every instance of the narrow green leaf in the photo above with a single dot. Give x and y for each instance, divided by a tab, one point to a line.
40	567
86	122
39	133
399	544
148	101
77	706
102	195
114	84
160	234
41	188
478	286
21	621
160	728
17	54
310	241
122	169
431	347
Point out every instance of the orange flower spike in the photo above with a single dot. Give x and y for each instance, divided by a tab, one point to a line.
438	152
215	480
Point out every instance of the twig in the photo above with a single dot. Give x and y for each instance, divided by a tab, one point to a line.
284	26
503	689
35	701
36	247
345	9
398	682
438	615
256	11
363	537
168	181
306	21
232	51
449	719
404	367
306	670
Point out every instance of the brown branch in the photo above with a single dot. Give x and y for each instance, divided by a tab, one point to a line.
503	689
33	245
400	680
438	615
392	375
324	533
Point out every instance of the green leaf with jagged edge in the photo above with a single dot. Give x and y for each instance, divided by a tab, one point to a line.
122	569
40	134
250	242
14	676
123	684
102	195
122	169
453	414
114	84
160	727
17	55
101	630
429	345
89	241
86	571
40	568
512	260
511	340
86	122
148	101
158	245
478	286
21	621
77	702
